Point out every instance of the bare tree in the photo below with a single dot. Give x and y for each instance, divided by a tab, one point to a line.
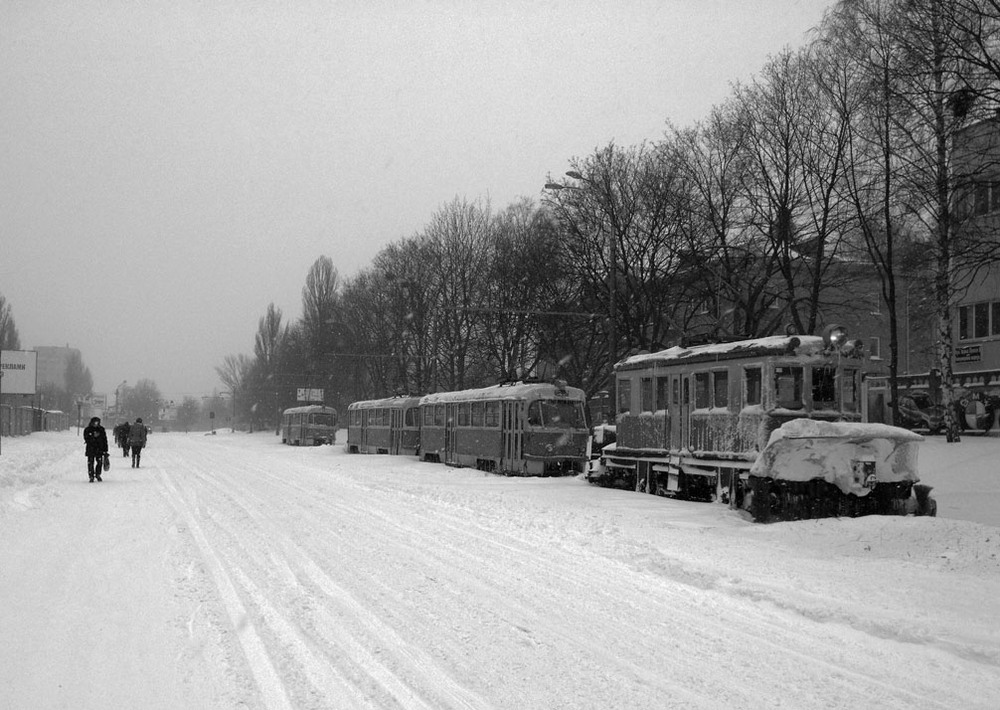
9	339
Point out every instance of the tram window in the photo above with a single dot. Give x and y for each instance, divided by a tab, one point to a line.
788	387
439	415
702	394
408	417
824	387
850	390
752	379
677	391
720	381
556	414
463	414
492	414
662	389
624	396
646	394
995	313
477	414
428	415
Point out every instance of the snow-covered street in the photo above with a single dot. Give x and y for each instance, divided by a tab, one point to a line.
231	571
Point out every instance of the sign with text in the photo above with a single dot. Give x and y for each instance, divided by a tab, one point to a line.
20	370
969	353
305	394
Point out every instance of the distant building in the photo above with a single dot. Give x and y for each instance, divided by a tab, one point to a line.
53	363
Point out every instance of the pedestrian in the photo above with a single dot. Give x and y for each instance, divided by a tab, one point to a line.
136	440
121	436
96	440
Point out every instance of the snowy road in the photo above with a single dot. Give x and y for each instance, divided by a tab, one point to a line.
232	571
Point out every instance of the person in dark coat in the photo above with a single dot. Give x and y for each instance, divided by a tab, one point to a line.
136	440
121	436
96	441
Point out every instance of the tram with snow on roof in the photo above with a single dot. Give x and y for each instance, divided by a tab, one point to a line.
310	425
384	426
516	428
771	425
527	428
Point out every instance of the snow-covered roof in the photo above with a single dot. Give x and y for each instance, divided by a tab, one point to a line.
398	401
513	391
309	409
818	429
770	345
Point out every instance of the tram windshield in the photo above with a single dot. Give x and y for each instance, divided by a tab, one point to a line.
556	414
322	419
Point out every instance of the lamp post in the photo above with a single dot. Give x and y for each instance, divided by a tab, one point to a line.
612	282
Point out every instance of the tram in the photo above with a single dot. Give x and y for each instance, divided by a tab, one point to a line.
384	426
310	425
516	428
693	422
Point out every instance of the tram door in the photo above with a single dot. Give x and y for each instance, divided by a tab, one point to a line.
395	430
511	433
450	421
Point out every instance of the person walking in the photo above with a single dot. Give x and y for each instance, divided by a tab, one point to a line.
96	441
121	437
136	440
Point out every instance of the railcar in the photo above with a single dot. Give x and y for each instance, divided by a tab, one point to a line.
517	428
310	425
384	426
696	422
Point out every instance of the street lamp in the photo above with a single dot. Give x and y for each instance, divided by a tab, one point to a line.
612	280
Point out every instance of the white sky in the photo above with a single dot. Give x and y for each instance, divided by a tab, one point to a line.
169	168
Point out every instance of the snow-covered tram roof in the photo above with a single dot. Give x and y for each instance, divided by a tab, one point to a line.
397	402
796	345
512	391
310	409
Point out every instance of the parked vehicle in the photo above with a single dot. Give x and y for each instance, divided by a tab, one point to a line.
311	425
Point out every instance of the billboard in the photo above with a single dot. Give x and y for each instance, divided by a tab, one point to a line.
20	370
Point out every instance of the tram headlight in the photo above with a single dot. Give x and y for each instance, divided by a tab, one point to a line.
834	336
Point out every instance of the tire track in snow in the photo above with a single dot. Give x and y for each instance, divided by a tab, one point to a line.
316	669
268	682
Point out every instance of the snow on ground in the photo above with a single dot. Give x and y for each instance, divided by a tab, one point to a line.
233	572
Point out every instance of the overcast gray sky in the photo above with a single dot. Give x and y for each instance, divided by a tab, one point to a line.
168	168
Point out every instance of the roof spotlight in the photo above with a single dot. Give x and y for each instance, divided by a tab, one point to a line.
834	336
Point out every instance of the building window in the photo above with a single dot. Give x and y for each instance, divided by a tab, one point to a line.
875	347
981	320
